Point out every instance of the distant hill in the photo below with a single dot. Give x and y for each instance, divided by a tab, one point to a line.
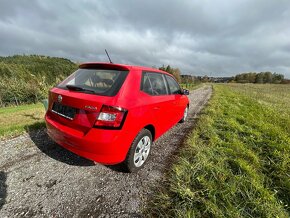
27	78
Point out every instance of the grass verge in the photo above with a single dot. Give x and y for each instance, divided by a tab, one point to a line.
191	86
236	162
16	120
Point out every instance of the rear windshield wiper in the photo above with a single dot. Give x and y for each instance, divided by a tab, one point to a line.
79	89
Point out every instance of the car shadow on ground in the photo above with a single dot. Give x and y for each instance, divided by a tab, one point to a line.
3	188
55	151
120	168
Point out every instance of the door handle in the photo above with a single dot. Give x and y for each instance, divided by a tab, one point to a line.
156	108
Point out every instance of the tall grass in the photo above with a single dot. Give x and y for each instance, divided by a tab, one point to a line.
237	160
27	78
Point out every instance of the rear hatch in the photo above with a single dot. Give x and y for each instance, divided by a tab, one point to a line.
78	100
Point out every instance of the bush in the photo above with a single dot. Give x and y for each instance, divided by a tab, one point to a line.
27	79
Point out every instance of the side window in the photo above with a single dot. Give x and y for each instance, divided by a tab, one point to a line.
146	84
174	88
154	84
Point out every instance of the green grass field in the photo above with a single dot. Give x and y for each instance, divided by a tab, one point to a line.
236	162
16	120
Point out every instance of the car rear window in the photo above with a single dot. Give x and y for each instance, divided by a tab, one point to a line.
96	81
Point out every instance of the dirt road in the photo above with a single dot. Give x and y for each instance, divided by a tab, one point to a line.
40	179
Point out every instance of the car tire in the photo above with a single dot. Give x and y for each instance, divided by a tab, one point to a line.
185	115
139	151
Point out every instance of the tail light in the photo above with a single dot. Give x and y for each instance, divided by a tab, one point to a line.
111	117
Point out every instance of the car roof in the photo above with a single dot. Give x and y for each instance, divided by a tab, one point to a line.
118	66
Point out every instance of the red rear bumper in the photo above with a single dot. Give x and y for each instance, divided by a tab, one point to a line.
100	145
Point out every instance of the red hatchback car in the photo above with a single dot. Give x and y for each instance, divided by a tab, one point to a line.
111	113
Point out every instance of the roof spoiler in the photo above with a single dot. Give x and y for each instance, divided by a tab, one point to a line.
106	66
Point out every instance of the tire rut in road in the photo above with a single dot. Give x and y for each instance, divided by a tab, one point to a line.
39	178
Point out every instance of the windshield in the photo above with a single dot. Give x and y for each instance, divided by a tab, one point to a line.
96	81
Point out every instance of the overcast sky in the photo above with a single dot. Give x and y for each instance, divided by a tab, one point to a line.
214	38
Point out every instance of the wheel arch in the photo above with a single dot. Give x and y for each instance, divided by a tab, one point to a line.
151	128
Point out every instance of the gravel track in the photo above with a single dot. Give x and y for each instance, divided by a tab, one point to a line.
38	178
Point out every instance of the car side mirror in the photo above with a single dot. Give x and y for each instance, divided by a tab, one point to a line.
185	92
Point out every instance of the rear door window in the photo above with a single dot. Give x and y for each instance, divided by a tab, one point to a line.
96	81
154	84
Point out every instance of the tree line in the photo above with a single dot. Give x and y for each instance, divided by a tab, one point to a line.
173	71
251	77
263	77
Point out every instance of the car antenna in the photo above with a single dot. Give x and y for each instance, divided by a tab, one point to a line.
108	56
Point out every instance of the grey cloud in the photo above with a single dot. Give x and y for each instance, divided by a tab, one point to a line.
200	37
